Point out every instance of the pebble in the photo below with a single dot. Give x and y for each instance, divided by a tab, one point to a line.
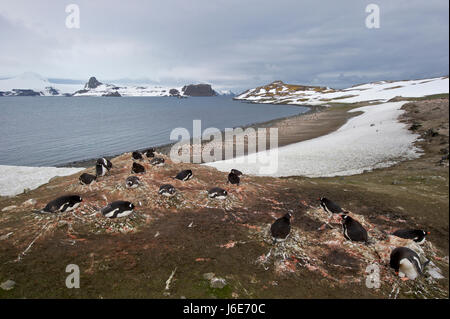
30	202
8	285
9	208
217	282
209	275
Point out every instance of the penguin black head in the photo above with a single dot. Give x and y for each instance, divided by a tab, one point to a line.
131	206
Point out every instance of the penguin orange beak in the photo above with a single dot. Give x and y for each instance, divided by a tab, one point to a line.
396	273
428	233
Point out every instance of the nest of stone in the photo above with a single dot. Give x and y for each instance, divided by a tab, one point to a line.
149	204
327	252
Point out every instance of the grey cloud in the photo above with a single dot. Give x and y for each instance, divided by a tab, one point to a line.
231	44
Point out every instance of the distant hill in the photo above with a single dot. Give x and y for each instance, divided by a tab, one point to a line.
32	84
279	92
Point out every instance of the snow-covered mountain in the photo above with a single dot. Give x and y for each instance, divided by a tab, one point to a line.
32	84
280	93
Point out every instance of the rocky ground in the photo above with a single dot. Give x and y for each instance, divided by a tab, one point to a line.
194	247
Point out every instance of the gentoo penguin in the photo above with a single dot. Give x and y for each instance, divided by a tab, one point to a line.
417	235
157	161
330	207
236	172
137	156
280	228
217	192
86	179
132	182
353	230
62	204
406	263
233	179
150	152
184	175
103	161
118	208
167	190
102	167
100	170
137	168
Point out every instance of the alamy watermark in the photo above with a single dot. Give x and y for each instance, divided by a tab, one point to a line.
373	277
73	17
373	19
214	145
73	280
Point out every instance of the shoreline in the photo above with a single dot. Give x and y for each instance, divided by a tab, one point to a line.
317	121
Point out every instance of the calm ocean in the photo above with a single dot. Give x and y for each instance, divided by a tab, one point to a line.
48	131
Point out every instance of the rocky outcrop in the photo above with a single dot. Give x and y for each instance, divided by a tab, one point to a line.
20	92
114	94
92	83
174	92
198	90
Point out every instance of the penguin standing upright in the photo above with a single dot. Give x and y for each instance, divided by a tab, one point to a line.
105	162
236	172
184	175
418	235
353	230
281	228
100	170
102	167
233	179
118	208
137	168
62	204
150	152
406	263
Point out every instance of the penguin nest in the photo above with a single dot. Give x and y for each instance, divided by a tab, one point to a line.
327	252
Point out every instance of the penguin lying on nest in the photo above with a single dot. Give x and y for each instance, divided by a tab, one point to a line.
218	193
418	235
167	190
137	168
86	179
118	208
62	204
137	156
132	182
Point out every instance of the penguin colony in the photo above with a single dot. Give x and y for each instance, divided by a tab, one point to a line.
405	262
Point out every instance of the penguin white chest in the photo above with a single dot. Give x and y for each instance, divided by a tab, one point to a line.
407	269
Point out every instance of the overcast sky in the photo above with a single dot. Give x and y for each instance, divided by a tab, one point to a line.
232	44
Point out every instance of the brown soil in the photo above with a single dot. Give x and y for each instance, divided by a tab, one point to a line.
135	256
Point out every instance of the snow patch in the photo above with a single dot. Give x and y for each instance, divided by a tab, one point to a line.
371	140
15	179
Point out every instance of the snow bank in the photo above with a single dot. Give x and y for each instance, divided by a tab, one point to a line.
15	179
371	140
378	91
